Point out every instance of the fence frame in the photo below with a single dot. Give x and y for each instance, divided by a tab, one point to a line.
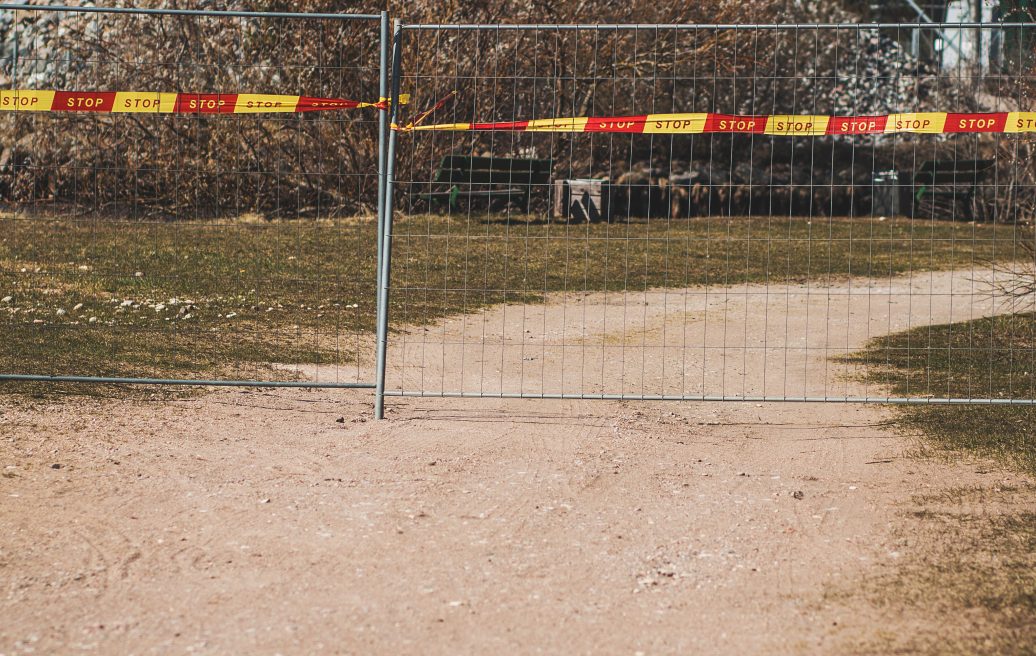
399	34
383	130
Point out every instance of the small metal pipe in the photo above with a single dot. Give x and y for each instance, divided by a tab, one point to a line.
177	381
386	261
186	12
14	62
929	23
726	399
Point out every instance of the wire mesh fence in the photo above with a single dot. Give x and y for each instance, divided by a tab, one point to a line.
188	242
813	225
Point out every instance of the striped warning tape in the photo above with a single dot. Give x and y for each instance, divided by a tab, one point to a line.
787	125
174	103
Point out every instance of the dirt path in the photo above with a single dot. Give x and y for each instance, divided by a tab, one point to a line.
775	341
245	522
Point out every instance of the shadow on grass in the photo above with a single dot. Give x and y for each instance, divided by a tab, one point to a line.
987	358
971	572
967	584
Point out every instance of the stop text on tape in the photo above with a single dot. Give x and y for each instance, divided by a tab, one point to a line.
135	102
777	125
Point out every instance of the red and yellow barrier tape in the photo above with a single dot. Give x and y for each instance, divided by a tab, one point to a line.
700	123
175	103
785	125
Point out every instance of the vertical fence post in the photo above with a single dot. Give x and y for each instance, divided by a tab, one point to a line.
386	236
382	144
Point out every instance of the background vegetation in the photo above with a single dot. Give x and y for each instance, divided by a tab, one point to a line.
323	164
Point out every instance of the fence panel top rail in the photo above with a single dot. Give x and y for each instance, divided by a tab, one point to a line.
188	12
707	26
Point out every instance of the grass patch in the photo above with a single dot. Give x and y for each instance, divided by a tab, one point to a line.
993	357
191	300
214	299
443	266
974	569
969	583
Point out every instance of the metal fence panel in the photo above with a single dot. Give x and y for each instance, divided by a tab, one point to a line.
727	263
189	248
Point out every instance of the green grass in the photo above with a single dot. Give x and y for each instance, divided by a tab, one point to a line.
261	292
993	357
445	266
210	300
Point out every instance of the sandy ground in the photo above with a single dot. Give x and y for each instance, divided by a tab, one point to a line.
748	341
254	522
